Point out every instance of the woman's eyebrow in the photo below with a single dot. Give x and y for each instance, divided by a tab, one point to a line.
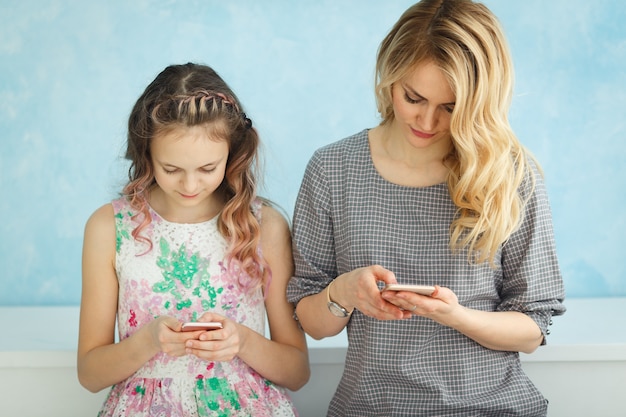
412	91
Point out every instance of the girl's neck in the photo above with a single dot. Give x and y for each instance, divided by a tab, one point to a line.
176	213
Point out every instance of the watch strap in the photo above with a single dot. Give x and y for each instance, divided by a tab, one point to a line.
334	307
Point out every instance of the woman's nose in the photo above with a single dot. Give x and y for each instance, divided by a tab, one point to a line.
428	119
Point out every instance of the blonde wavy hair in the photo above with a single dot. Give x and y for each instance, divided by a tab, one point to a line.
195	95
487	165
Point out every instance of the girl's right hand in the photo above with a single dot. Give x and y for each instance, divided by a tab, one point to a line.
167	337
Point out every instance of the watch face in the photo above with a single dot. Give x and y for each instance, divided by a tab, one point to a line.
337	310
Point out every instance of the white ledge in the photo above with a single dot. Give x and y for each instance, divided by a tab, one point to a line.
591	330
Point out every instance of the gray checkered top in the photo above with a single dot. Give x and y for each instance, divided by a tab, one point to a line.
347	216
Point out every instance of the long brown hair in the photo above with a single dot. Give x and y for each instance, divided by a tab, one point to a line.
192	95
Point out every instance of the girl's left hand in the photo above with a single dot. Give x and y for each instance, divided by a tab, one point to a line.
220	345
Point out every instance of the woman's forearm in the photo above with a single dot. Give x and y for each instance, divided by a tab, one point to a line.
505	330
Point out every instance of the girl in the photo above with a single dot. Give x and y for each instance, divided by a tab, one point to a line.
440	192
189	241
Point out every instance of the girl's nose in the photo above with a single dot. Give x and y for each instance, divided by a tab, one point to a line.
189	182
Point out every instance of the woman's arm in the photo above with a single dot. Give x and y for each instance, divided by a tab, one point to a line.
283	359
100	361
356	289
496	330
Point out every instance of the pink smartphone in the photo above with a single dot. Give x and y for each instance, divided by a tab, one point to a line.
418	289
196	325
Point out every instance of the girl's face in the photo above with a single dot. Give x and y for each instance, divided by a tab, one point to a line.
422	105
189	166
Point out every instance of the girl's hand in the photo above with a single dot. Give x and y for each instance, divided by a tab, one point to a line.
215	345
167	337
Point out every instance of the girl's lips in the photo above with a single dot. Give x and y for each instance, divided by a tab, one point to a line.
421	134
188	196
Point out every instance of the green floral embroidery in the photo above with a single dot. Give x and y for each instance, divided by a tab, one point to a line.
211	390
140	390
180	268
120	232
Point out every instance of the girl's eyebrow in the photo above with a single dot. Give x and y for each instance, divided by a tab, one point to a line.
412	91
209	165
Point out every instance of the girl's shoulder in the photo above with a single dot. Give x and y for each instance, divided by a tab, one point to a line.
121	204
268	213
101	223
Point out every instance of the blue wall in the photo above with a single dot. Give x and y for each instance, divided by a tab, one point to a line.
71	70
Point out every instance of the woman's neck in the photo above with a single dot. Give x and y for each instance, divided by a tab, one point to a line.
400	163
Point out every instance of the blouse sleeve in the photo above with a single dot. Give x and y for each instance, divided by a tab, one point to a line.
532	281
313	238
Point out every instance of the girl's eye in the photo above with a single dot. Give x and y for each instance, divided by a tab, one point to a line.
449	109
170	171
208	170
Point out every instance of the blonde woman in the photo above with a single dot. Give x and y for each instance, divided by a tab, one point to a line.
440	194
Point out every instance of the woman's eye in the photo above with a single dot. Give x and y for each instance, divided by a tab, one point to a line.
208	170
170	171
411	100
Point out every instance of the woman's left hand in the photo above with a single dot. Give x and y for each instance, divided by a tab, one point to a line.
436	306
219	345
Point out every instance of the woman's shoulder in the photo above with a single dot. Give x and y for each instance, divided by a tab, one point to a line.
350	145
333	159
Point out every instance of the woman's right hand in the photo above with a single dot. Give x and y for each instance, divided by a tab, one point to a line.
359	289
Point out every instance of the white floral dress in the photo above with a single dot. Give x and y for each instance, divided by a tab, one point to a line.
183	276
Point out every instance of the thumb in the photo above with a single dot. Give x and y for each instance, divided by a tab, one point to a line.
170	323
384	275
211	316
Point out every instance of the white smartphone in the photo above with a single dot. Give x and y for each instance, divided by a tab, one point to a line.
418	289
196	325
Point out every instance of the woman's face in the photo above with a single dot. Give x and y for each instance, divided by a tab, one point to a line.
423	103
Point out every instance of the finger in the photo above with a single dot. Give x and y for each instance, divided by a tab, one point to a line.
384	275
436	292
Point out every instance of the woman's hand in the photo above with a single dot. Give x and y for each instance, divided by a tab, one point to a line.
498	330
438	306
359	289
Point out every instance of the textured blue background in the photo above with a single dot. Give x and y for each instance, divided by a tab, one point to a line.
71	70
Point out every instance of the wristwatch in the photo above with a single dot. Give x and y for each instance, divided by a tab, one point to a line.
335	308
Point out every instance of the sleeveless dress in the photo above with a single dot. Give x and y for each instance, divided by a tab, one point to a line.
183	276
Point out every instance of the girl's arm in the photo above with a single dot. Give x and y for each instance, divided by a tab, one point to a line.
101	362
283	359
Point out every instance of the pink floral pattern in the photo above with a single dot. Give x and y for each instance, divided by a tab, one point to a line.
183	276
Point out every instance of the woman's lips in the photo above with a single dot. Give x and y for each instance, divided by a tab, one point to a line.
421	134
